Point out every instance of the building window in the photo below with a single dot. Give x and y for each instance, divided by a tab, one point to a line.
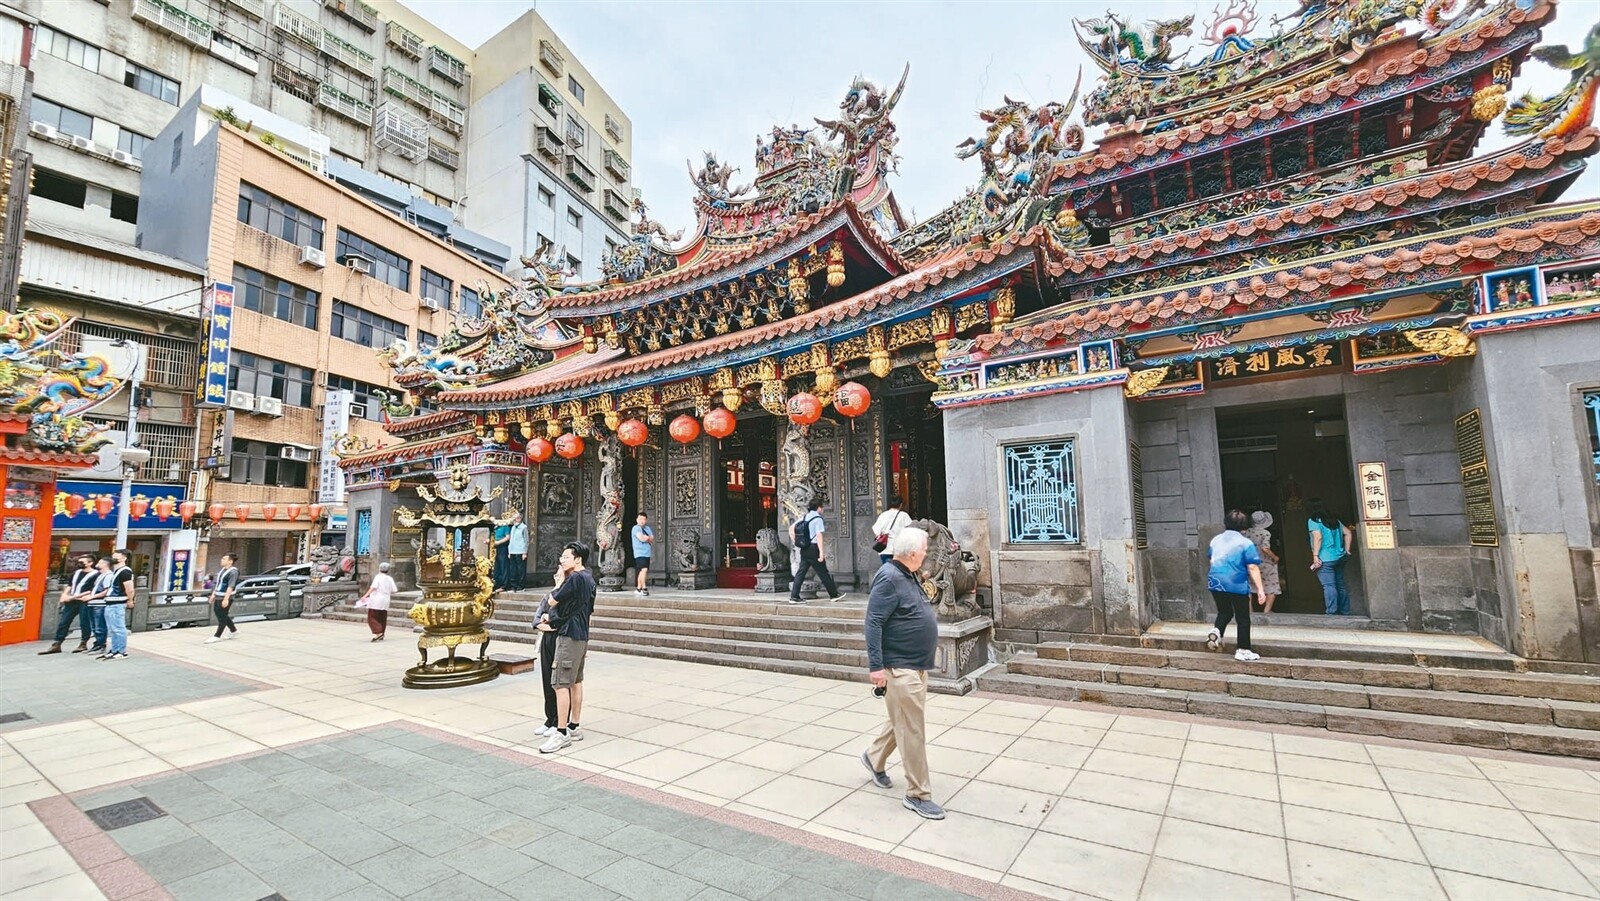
153	83
258	375
368	404
272	296
471	303
132	143
1591	406
436	288
276	216
124	207
387	266
611	247
1041	493
426	340
177	157
63	46
64	119
260	463
573	219
574	264
365	327
575	88
575	132
547	196
60	188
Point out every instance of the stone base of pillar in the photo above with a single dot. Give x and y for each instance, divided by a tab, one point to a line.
321	596
963	651
610	583
772	583
696	581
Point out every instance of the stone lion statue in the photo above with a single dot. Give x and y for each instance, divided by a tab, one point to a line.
949	574
330	564
688	555
772	555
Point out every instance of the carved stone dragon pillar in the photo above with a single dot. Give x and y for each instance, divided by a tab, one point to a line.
608	515
795	500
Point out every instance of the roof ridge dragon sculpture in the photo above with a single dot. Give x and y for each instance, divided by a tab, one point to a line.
50	387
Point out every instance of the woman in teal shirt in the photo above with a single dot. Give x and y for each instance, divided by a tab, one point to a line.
1330	551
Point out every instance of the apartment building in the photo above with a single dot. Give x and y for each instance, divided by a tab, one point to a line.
321	278
548	150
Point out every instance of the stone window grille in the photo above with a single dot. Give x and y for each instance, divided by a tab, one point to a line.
1042	493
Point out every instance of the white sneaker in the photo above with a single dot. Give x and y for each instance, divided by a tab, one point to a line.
1214	640
575	733
542	731
1243	654
556	742
229	636
213	639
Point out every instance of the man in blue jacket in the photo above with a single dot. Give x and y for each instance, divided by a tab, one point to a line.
902	636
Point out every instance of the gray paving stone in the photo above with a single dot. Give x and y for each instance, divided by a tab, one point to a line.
314	878
640	881
490	862
468	813
368	892
548	883
230	882
142	837
822	869
238	831
712	893
582	822
383	812
171	788
170	863
723	838
898	888
399	758
519	833
464	888
649	845
275	851
797	889
527	802
577	856
107	797
403	871
269	804
729	873
273	764
43	689
429	835
196	807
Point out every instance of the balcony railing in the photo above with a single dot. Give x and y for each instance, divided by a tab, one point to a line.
300	61
365	17
549	99
186	26
615	206
444	156
446	113
579	173
443	111
257	8
334	99
549	145
399	132
616	165
405	87
447	67
349	55
551	59
296	26
403	39
613	128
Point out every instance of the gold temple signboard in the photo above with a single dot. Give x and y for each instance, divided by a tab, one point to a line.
1374	481
1278	360
1380	536
1483	530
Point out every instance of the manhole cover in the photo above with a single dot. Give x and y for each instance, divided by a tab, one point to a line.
126	813
17	717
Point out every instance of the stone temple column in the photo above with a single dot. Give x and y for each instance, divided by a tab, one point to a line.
608	515
794	498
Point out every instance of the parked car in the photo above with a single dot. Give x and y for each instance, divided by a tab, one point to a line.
298	575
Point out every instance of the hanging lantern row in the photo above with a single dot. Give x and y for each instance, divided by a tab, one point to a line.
633	433
569	446
217	512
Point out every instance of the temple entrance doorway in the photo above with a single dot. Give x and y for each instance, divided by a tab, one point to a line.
914	454
1277	459
746	492
630	507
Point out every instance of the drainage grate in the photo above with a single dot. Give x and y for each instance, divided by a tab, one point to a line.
126	813
17	717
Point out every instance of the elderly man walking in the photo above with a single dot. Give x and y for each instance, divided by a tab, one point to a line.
902	635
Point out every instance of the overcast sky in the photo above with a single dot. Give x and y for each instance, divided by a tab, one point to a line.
711	75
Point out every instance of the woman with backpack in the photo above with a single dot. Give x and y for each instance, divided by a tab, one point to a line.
1330	551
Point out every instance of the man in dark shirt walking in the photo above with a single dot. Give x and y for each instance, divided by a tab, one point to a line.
571	605
74	603
902	636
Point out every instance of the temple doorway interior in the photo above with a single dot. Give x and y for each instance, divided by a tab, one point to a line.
630	502
747	497
914	455
1277	458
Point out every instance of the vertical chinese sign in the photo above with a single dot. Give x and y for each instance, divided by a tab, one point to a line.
218	305
335	422
1375	512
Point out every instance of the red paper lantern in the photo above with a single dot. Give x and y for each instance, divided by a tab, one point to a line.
187	510
316	512
269	512
852	399
241	512
103	505
633	433
138	506
720	423
216	512
294	511
684	429
164	508
805	408
540	449
569	446
74	504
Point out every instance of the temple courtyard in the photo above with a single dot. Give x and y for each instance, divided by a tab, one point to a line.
291	764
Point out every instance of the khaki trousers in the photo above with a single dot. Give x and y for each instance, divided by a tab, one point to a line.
906	699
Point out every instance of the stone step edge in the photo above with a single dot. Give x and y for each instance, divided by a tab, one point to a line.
793	667
757	650
825	640
1413	726
1305	650
1499	708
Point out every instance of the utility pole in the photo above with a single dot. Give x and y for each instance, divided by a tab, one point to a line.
131	457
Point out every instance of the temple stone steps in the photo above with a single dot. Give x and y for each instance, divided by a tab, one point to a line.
1466	699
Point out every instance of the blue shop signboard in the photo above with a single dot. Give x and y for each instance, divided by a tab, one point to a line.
88	517
218	306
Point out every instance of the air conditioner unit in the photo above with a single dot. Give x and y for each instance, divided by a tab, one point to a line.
297	454
313	256
43	130
358	411
124	157
79	142
269	406
429	303
357	263
241	400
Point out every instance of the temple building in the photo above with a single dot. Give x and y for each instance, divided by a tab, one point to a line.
1285	272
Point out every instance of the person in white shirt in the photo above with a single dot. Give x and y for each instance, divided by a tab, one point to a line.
222	597
376	600
888	525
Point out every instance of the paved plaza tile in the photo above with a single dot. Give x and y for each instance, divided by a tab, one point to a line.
290	764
